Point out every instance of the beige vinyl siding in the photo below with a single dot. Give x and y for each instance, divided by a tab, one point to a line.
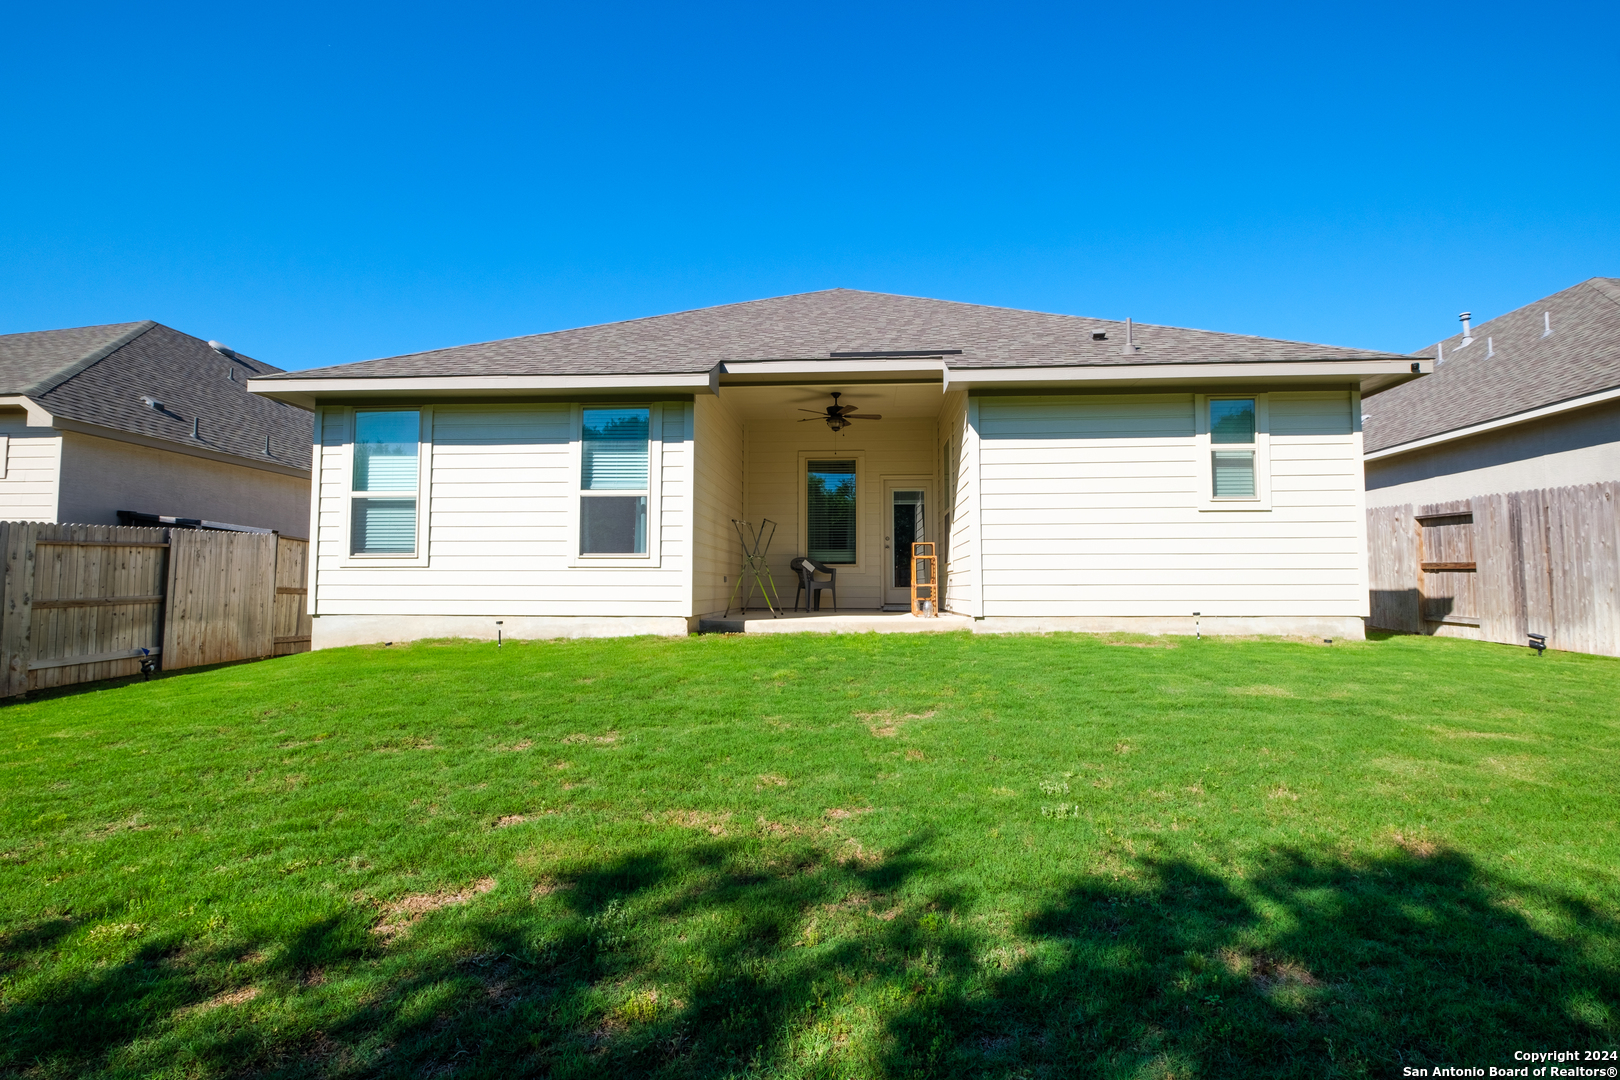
1091	508
501	524
958	437
29	489
886	449
718	498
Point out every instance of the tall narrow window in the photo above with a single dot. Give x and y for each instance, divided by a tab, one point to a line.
1232	427
387	447
614	482
830	513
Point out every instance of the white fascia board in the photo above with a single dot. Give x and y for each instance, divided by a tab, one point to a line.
38	415
306	393
1491	425
870	369
1045	378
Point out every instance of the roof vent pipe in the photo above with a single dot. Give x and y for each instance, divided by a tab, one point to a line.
1468	331
1546	323
1130	345
1490	348
1440	353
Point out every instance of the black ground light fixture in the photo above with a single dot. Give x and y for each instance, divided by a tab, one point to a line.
1538	642
498	633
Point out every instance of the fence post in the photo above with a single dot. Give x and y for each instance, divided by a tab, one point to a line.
18	605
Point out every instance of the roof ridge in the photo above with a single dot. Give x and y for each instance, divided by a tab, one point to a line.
1609	287
88	360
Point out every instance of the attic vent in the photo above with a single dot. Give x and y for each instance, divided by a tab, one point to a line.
151	402
221	349
1099	335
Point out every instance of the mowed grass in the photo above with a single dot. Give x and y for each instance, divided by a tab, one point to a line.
802	855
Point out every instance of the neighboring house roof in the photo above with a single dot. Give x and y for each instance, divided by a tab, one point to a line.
98	375
1512	367
820	325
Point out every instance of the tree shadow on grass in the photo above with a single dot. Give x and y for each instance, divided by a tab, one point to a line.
730	957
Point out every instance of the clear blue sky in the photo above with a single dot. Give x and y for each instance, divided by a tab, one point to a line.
324	183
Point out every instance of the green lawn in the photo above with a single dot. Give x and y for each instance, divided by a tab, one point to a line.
817	856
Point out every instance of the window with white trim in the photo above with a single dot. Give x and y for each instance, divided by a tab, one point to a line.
1232	431
384	487
615	481
1234	451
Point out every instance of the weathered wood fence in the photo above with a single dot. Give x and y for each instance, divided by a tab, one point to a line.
1502	567
87	602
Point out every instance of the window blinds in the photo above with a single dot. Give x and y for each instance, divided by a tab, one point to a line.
615	450
830	511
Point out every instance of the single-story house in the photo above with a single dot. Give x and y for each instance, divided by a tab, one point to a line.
1076	473
1529	400
141	418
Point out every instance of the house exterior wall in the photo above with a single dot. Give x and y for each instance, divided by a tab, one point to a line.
103	476
959	453
33	461
890	449
502	484
1092	510
1567	450
717	500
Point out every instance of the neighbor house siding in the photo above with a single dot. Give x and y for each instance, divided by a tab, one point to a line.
1091	507
1567	450
28	492
103	476
890	449
501	519
718	497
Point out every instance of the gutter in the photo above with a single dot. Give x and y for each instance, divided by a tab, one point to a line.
40	417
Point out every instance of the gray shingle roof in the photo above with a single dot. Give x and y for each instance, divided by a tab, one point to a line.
1526	371
98	375
810	326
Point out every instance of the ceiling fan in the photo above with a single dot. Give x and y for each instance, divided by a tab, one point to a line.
838	416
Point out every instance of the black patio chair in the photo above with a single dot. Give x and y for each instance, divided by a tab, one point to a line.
807	569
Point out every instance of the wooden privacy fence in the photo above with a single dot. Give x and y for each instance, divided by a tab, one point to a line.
1502	567
87	602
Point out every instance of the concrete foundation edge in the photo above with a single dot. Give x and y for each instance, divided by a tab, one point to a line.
1338	627
336	631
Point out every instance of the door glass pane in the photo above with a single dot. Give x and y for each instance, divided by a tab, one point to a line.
615	450
613	525
1234	474
1231	420
383	527
830	513
908	528
385	445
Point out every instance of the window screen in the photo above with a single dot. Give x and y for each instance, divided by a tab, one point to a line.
830	513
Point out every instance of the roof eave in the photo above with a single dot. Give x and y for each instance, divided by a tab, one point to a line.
309	393
1484	427
1369	375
